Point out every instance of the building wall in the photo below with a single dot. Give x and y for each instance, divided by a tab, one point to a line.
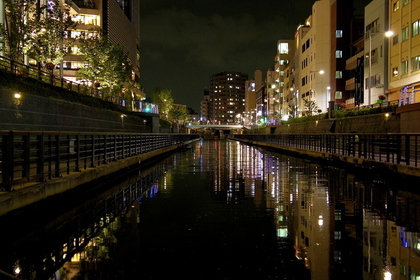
314	55
121	31
227	96
403	85
341	20
376	24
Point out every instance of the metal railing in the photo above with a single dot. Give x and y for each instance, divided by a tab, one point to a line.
30	71
390	148
40	156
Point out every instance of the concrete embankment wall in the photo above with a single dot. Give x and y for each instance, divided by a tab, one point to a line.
37	113
27	194
378	123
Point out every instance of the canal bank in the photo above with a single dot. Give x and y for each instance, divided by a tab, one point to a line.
25	194
347	159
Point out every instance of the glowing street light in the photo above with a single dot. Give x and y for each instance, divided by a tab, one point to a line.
369	80
310	81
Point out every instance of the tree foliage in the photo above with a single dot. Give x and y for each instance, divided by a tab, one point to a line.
15	30
310	106
164	99
107	63
179	113
48	41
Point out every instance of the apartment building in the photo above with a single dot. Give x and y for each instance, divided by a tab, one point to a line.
204	106
376	51
404	52
120	20
313	60
275	81
251	86
227	97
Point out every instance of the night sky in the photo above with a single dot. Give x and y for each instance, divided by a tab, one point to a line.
185	42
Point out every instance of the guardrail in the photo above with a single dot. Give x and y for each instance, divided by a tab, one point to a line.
40	156
23	70
390	148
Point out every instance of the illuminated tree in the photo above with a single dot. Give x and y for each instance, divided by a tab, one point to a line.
107	64
164	99
48	41
310	106
15	30
179	113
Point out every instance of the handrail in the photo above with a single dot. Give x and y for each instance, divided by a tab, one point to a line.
396	148
47	77
41	156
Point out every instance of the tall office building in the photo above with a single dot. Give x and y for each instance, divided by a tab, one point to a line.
227	97
120	19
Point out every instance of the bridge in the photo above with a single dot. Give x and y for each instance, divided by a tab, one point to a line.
216	126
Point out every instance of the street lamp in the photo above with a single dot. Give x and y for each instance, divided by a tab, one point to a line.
310	81
387	34
328	97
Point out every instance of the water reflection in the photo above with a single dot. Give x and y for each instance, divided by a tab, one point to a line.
224	210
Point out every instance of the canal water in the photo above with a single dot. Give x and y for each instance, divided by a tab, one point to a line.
220	210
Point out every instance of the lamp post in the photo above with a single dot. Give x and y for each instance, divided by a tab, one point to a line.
369	80
327	98
310	81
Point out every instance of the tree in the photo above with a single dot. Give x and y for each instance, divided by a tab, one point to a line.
179	114
48	41
107	64
310	106
15	30
164	99
293	110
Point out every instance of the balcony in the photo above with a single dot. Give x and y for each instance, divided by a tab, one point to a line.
351	84
351	63
84	7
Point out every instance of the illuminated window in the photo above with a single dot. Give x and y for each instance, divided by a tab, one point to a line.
338	54
283	48
396	6
415	62
416	27
404	34
339	34
395	72
338	74
338	94
404	67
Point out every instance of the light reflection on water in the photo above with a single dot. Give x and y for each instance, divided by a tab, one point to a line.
341	226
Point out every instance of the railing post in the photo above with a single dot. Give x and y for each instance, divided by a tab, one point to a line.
399	147
7	164
40	158
407	150
77	150
57	156
26	157
92	156
105	149
115	147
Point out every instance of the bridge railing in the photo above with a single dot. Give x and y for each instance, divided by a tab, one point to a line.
40	156
390	148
